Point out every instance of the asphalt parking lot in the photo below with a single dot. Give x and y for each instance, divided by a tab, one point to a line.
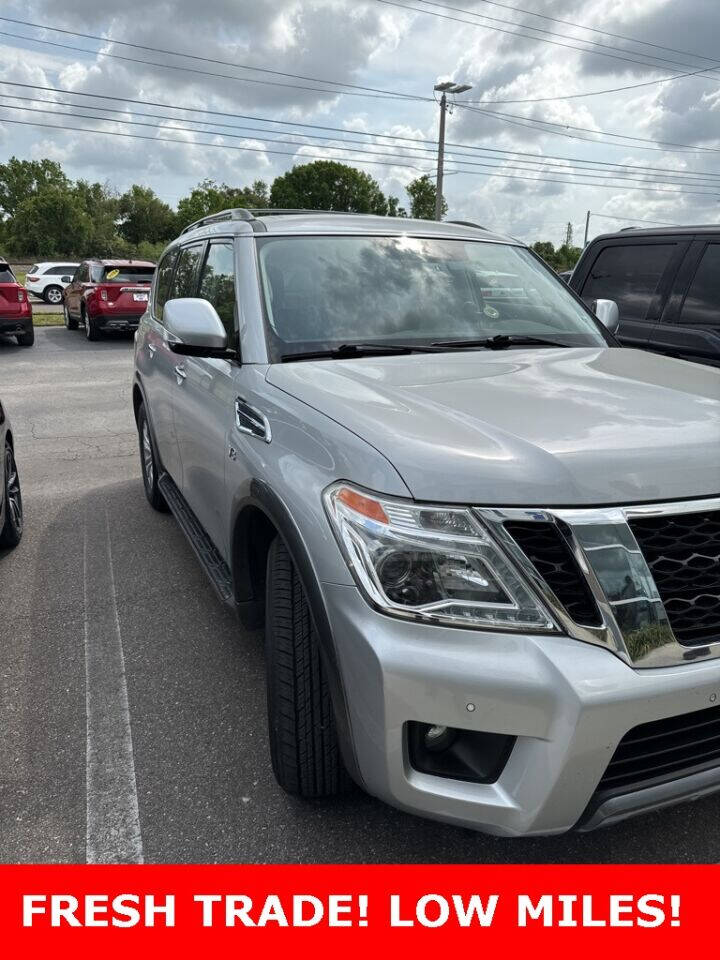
104	596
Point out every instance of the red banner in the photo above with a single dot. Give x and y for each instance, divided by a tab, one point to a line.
121	911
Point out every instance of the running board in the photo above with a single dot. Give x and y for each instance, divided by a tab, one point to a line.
207	553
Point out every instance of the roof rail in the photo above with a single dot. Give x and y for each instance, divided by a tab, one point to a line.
289	211
467	223
234	213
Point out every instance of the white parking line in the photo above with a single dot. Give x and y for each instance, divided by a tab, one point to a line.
113	822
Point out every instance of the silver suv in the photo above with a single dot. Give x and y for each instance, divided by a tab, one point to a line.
483	539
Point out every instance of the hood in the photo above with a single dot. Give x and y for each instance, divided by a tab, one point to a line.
540	427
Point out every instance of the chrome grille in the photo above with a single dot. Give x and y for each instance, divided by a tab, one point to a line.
683	554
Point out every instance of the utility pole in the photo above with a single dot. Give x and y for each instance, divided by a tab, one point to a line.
587	228
569	235
447	87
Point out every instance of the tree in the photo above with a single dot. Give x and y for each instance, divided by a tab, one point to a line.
211	197
394	208
50	223
144	216
564	258
422	193
21	179
328	185
100	203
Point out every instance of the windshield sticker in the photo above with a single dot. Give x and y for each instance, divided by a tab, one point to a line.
111	274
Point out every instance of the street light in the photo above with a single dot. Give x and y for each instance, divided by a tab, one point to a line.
447	86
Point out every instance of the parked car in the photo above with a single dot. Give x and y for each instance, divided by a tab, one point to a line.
666	283
15	309
11	508
483	538
48	280
107	295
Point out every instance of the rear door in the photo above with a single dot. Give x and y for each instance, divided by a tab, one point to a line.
73	293
637	274
690	325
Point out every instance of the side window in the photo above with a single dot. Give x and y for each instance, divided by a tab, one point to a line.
162	283
80	273
96	272
702	302
629	274
217	284
186	272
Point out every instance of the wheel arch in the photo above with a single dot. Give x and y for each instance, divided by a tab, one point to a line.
259	518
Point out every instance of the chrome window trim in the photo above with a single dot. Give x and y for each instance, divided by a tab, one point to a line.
663	649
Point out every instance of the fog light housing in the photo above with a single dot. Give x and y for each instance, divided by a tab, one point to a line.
470	755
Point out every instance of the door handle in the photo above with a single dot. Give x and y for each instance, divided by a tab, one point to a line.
180	373
151	349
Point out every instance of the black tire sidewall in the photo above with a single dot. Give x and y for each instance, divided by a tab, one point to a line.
10	536
152	490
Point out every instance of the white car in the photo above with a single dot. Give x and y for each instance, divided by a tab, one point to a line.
45	280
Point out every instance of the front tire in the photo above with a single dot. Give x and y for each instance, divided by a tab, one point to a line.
303	737
26	339
70	324
149	463
91	331
53	294
12	529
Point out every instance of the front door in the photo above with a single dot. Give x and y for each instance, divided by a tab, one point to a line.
205	401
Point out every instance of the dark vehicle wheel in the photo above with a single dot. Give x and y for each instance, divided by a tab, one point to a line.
13	527
26	339
303	738
149	463
70	324
91	330
53	294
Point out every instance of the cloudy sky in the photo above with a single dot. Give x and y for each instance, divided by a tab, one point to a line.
344	69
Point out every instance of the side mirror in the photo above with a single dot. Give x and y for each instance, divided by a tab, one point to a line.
197	326
608	314
65	279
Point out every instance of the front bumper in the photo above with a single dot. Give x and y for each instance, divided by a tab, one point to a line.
568	703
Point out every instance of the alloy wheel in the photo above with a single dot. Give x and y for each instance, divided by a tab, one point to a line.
54	295
12	491
147	452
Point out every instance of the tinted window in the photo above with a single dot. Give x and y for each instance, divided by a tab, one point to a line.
217	284
322	291
33	269
164	279
6	274
96	272
60	271
702	303
186	272
629	275
127	274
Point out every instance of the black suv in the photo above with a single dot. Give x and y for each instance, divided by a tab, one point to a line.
666	284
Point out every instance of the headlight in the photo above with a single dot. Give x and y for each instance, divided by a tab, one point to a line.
434	563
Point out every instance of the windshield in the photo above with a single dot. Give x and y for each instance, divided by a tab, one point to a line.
127	274
323	291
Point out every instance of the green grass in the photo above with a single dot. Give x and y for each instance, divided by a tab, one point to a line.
20	277
47	319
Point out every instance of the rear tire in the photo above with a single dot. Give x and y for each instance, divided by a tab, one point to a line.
53	294
149	463
11	532
91	331
70	324
26	339
303	737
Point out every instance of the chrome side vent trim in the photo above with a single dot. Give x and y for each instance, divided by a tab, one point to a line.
250	420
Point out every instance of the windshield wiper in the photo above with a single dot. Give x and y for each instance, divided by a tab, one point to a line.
500	342
346	351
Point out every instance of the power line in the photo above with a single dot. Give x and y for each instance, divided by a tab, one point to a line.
227	146
577	26
304	126
603	133
458	160
366	89
217	62
556	43
208	73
